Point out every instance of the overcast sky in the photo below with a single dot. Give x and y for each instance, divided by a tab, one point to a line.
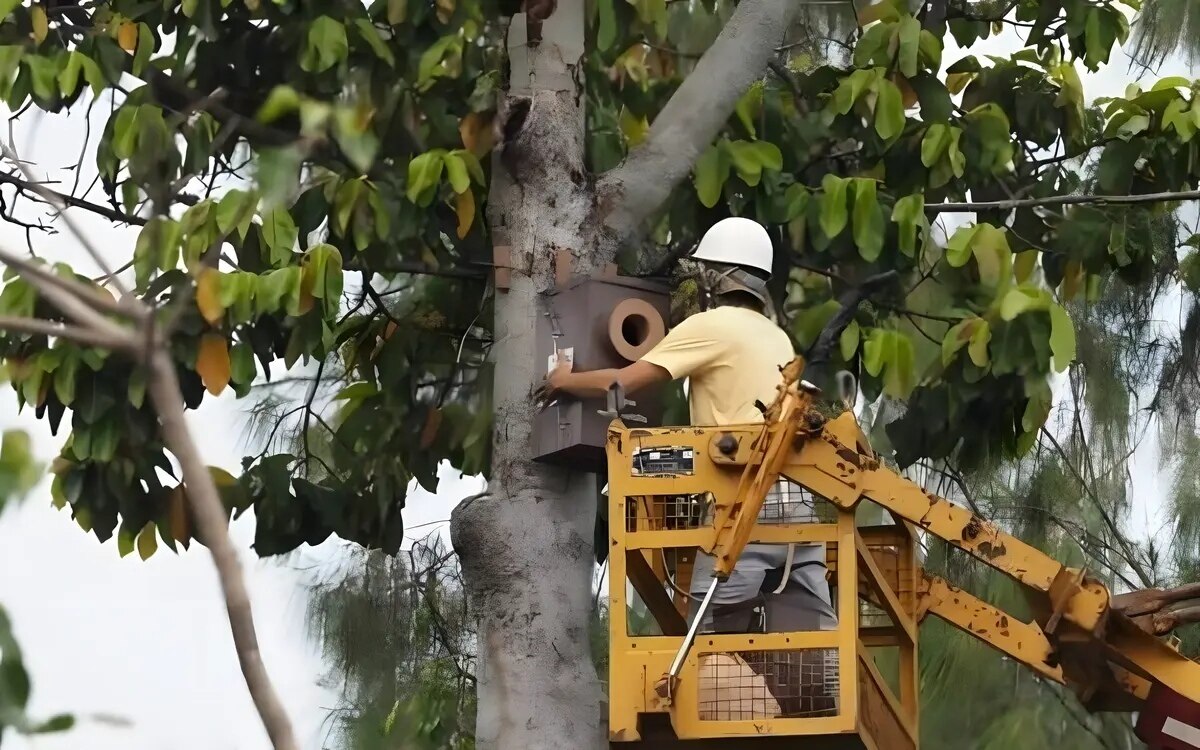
148	641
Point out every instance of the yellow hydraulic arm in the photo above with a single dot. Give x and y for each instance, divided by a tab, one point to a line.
1078	637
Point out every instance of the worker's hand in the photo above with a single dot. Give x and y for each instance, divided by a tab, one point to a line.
555	380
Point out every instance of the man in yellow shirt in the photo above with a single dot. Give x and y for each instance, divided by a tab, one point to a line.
731	353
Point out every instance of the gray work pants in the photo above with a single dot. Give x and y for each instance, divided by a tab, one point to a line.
804	603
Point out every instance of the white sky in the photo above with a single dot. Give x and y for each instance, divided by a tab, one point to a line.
148	641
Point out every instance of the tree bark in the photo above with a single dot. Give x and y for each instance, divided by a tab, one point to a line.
526	544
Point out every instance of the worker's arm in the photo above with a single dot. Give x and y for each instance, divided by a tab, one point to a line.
595	384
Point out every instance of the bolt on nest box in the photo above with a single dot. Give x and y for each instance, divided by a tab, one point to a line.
598	322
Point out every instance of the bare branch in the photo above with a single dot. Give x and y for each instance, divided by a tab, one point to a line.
1062	200
74	299
76	334
1148	601
70	200
212	520
55	200
639	185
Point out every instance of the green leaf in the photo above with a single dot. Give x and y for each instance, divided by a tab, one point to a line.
236	209
956	338
1021	299
424	174
749	106
978	348
934	144
145	48
850	89
889	110
325	45
456	172
908	213
750	158
958	247
849	340
1115	173
834	214
282	100
7	7
147	542
19	473
397	11
125	541
241	364
1062	337
606	29
930	48
371	36
280	233
710	175
909	33
356	391
157	248
868	220
891	353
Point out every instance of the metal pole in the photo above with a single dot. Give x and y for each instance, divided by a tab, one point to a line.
691	634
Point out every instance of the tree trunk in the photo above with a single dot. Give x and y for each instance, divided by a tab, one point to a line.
526	544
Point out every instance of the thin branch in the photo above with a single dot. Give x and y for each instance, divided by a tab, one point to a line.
54	199
212	520
76	334
1128	554
1062	200
639	185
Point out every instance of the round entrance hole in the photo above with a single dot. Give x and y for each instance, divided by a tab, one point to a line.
635	329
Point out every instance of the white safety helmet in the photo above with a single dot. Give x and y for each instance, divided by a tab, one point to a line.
737	241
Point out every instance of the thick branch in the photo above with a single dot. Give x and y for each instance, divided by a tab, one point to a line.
690	121
1061	200
1149	601
848	304
212	520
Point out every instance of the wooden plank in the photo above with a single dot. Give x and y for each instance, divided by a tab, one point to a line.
650	588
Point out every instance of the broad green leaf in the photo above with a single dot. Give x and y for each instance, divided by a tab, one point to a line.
957	337
424	174
325	45
796	201
868	220
1062	337
990	248
978	348
147	542
456	173
834	212
1023	265
371	36
908	213
750	158
241	364
236	210
280	233
1037	409
849	340
281	101
7	7
930	48
850	89
889	110
356	391
19	473
909	34
125	541
958	247
157	248
934	144
711	172
1021	299
606	30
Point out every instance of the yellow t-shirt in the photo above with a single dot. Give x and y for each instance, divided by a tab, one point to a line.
732	356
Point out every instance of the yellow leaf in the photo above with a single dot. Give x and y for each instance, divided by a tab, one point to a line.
127	36
476	132
147	543
872	13
1023	265
909	96
212	363
177	518
307	281
634	127
41	24
464	206
956	82
445	9
208	295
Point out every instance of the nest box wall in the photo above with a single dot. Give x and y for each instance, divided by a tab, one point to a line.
607	322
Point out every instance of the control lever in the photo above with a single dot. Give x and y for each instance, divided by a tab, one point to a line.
617	403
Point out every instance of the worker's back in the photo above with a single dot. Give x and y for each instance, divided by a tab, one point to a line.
732	357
